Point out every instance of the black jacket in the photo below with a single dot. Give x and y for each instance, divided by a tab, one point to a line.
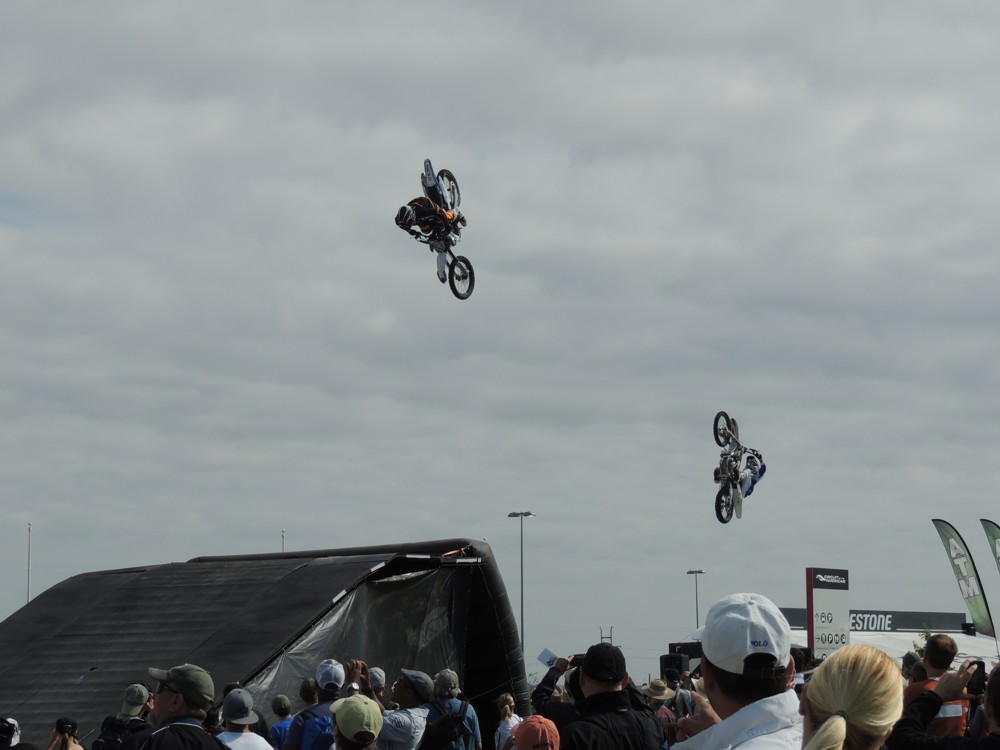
558	712
910	732
176	734
606	721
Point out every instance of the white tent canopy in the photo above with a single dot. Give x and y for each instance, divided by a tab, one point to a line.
897	644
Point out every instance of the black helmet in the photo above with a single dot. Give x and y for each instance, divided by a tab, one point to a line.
405	217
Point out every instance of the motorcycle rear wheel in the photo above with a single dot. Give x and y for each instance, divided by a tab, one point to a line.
451	186
461	277
724	503
722	428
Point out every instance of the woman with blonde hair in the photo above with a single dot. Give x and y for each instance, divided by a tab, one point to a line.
852	700
508	720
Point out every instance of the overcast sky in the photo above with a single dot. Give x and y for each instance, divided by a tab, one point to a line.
211	330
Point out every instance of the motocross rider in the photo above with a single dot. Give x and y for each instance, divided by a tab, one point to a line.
750	474
422	212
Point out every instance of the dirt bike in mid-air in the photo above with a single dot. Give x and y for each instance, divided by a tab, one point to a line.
441	227
735	480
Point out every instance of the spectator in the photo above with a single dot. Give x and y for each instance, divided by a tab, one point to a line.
939	652
682	704
508	720
912	731
307	692
446	700
657	694
281	707
63	736
376	678
535	733
312	728
358	723
852	700
746	672
239	717
918	673
403	727
909	659
183	695
799	657
607	719
543	696
260	726
116	729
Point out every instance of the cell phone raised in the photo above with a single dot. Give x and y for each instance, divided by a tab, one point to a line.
977	683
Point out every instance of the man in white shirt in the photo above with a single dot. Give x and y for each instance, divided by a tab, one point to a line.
238	716
747	672
403	728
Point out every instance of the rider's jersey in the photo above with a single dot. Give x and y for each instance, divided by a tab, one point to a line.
429	215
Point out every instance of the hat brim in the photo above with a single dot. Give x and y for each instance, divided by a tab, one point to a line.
251	718
159	674
664	696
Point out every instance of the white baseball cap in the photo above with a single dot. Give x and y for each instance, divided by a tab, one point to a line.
741	625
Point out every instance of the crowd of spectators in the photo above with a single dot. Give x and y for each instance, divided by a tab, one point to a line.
751	690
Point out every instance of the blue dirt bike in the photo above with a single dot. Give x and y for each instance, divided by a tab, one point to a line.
442	189
728	474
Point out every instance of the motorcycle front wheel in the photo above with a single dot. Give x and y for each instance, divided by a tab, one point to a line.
451	186
724	503
461	277
722	428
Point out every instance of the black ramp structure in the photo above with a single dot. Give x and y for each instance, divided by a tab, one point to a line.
265	620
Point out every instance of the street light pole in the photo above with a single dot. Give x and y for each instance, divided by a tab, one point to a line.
522	514
29	563
697	618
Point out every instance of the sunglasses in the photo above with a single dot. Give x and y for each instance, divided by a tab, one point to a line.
169	688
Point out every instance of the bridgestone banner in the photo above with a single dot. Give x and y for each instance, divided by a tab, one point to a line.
969	584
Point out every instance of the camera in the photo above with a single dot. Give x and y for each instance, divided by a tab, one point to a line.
977	684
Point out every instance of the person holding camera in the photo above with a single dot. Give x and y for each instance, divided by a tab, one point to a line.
950	721
912	731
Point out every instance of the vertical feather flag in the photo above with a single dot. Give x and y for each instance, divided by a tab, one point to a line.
993	534
968	579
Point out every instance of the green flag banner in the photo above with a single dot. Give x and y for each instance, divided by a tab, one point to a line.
993	534
968	579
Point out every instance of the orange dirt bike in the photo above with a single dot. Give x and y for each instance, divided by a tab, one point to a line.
442	189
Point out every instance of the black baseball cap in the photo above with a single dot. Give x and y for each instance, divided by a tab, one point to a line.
604	663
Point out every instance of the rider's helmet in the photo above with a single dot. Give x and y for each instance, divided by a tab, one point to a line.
753	463
405	217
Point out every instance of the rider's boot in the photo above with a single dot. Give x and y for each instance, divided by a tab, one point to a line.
442	267
716	475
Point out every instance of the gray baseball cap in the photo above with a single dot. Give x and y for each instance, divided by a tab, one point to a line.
191	681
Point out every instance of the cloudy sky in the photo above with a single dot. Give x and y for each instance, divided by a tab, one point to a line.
211	330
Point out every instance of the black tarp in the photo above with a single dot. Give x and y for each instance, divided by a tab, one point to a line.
264	620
